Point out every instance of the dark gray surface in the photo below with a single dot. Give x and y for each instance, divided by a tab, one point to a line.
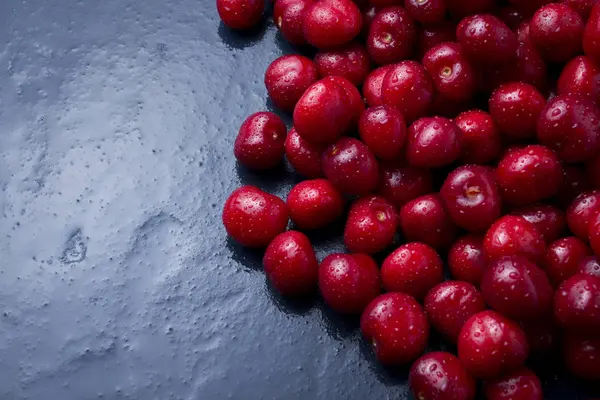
117	120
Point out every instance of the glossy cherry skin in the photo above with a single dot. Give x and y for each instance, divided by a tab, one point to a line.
392	36
529	174
331	23
511	235
401	184
350	61
351	166
594	233
425	220
517	288
426	11
485	39
591	35
240	14
516	107
253	217
580	77
440	375
549	220
563	257
287	78
323	113
408	87
260	143
355	101
582	7
589	266
480	139
577	302
383	130
304	156
581	211
520	384
413	268
471	197
429	36
556	30
291	265
371	225
450	304
372	86
397	328
581	352
288	16
313	204
348	282
452	74
575	181
489	344
467	260
433	142
570	125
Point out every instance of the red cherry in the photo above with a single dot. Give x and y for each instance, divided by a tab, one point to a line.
581	211
433	142
549	220
401	184
396	326
517	288
350	61
591	35
467	260
512	235
480	139
260	143
392	36
515	108
351	166
581	351
563	257
288	16
590	266
287	78
425	220
240	14
413	268
371	225
529	174
305	157
253	217
580	77
583	7
486	39
331	23
372	87
594	233
291	265
408	87
577	302
440	375
520	384
383	130
450	304
557	30
355	101
426	11
314	204
429	36
490	344
348	282
452	74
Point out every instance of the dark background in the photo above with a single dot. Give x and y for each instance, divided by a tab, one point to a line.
117	281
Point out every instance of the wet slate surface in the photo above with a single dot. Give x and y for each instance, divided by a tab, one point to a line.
117	281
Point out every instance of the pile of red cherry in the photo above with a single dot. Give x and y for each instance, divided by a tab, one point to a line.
499	101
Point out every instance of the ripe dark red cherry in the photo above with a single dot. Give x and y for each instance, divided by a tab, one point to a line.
466	259
425	220
556	30
305	157
314	204
486	39
529	174
383	130
372	87
240	14
581	351
450	304
576	302
350	61
260	143
288	16
471	197
512	235
392	36
581	211
253	217
591	35
408	87
583	7
490	344
517	288
413	268
331	23
426	11
549	220
401	184
433	142
291	265
348	282
480	139
287	78
590	266
440	375
515	108
351	166
355	101
520	384
371	225
563	257
396	326
452	74
580	77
